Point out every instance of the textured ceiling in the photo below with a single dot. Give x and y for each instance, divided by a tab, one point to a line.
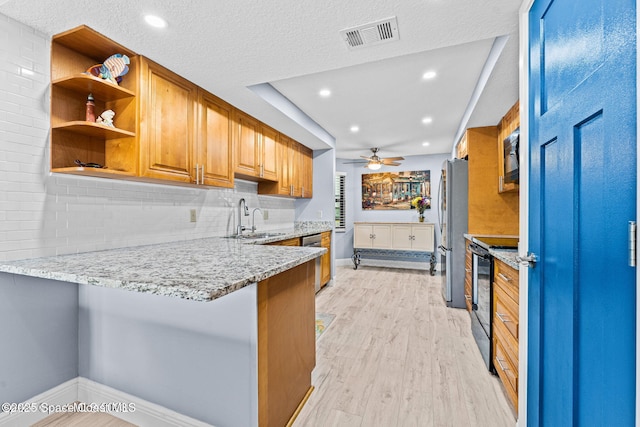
225	47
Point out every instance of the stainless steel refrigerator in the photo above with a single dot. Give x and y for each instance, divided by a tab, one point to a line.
453	216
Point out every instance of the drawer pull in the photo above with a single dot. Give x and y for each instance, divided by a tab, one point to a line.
467	297
503	277
503	367
468	270
502	317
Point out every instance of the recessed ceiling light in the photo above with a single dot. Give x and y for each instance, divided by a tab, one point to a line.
354	129
425	144
155	21
429	75
325	93
427	120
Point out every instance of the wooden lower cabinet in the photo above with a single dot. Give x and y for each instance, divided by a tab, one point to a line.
505	327
325	261
286	344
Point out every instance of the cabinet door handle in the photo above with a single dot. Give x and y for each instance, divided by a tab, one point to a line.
468	270
500	184
197	174
202	175
503	277
467	297
504	368
503	317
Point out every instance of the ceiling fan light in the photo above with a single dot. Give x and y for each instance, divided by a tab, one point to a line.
374	166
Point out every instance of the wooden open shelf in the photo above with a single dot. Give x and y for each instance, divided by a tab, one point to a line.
97	172
93	129
90	84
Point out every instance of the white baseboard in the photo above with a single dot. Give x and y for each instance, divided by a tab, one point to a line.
66	392
137	411
371	262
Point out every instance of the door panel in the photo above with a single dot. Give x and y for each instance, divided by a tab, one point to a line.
581	351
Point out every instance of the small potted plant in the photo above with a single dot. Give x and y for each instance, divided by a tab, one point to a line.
421	203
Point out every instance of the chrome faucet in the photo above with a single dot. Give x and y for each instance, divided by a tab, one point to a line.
243	210
253	219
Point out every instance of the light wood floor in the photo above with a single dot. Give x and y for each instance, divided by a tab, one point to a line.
84	419
395	355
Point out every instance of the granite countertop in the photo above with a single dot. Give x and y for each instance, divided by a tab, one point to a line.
199	270
508	256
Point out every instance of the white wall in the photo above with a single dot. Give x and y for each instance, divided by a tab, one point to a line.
43	214
354	211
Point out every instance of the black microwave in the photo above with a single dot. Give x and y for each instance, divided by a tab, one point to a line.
512	157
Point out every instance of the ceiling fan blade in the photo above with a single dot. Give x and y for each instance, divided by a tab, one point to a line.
365	157
393	159
391	164
358	162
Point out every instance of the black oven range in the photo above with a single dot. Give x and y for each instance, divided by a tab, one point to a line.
482	290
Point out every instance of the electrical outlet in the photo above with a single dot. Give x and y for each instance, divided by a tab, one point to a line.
193	215
265	214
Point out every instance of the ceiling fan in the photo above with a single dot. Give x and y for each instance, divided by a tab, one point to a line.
375	162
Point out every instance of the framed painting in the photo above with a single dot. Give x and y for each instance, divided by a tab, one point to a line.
395	190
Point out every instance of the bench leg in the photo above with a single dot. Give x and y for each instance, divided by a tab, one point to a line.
355	258
432	268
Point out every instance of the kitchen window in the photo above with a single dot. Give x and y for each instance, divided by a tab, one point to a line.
340	201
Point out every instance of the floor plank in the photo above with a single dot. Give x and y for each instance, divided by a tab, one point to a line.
395	355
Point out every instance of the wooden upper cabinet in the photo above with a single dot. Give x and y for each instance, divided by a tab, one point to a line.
307	172
282	185
247	144
214	150
509	123
268	153
167	128
294	170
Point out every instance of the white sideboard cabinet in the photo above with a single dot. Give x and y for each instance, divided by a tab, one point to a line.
394	237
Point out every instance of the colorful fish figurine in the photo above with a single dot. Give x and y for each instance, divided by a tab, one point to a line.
114	67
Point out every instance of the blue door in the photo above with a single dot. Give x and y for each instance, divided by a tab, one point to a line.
582	312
